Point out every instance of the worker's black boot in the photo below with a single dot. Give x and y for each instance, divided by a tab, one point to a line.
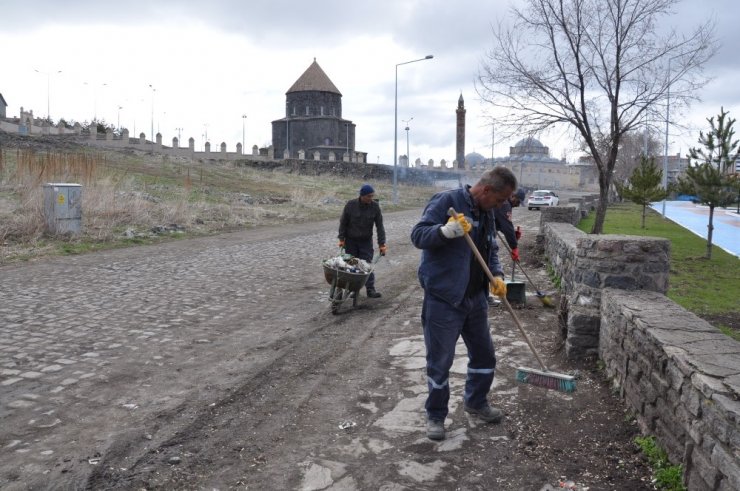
371	293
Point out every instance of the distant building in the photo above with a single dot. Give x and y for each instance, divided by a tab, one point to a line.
474	160
3	106
313	123
677	166
531	163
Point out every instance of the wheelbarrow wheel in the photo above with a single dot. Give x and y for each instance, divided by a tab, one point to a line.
336	301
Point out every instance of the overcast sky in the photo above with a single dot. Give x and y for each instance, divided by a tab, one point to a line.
212	62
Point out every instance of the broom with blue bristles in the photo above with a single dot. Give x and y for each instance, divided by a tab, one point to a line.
542	378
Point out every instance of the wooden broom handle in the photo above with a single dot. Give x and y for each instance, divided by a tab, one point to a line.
484	265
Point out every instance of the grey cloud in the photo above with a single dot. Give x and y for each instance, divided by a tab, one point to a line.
448	27
280	22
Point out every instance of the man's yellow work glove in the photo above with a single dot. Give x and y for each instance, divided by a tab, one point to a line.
498	287
456	227
383	249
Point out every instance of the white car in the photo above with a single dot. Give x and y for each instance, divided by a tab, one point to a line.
542	197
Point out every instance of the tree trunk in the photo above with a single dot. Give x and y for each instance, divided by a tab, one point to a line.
644	207
600	211
710	228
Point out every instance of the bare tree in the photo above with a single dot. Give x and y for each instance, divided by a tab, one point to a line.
633	146
595	65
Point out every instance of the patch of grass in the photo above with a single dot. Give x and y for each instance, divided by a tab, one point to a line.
554	277
729	331
667	476
699	285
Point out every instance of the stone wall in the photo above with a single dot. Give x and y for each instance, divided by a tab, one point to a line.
370	172
681	378
37	127
677	373
560	214
588	263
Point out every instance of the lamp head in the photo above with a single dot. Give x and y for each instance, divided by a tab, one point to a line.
428	57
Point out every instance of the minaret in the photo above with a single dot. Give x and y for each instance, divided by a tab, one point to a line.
460	135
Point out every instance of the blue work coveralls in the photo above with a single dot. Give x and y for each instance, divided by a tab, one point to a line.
449	310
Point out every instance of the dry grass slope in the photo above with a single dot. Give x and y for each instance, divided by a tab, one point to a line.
131	197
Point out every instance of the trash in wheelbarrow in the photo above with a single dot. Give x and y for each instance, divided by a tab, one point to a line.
347	275
351	264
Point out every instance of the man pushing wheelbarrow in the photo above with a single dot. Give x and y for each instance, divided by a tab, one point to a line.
356	231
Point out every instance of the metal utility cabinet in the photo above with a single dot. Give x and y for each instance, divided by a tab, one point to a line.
63	208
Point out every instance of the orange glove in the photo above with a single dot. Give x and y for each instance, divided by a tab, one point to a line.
498	287
515	254
383	249
518	233
341	242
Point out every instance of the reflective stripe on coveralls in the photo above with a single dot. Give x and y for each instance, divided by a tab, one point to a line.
435	385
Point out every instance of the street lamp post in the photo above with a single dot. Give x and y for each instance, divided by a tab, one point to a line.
48	85
151	135
244	119
95	97
493	141
408	153
395	129
118	118
179	130
667	118
102	101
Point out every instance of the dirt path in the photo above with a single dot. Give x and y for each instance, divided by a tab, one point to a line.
216	363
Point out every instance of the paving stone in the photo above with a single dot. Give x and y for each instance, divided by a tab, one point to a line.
31	375
19	404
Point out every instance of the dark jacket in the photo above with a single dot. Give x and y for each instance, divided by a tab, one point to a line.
504	224
445	265
358	219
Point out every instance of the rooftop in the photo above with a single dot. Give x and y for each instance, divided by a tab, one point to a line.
314	79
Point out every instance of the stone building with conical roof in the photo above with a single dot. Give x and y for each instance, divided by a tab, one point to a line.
313	125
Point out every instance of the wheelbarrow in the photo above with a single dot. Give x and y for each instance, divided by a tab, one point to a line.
345	285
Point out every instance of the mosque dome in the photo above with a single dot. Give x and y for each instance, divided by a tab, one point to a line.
529	147
474	159
529	142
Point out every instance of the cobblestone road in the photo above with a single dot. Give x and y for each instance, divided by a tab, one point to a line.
90	342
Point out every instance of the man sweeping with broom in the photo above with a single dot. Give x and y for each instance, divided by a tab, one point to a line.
455	290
